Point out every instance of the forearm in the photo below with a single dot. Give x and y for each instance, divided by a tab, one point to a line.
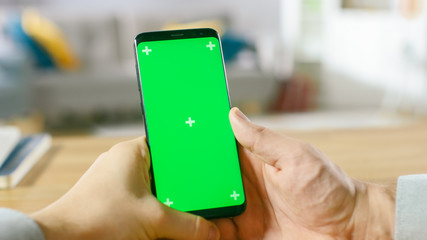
374	213
411	207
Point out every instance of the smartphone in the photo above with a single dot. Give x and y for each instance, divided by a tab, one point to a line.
185	103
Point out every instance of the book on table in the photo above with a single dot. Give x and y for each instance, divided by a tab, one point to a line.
18	154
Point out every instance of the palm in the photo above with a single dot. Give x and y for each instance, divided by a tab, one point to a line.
279	207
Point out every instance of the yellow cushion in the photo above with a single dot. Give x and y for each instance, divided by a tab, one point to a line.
49	37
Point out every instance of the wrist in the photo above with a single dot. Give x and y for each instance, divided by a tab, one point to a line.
52	225
373	216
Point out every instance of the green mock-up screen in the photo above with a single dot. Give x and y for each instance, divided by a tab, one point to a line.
186	104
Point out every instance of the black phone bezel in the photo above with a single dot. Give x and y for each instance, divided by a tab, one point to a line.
222	212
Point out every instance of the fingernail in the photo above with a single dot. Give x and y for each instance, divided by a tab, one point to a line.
213	233
241	115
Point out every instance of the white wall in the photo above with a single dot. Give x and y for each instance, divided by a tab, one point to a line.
374	59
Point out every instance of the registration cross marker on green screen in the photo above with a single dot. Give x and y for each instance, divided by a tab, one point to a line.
190	122
146	50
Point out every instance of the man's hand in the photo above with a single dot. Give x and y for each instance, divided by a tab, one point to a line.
113	200
295	192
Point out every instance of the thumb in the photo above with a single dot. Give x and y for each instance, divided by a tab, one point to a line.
269	146
180	225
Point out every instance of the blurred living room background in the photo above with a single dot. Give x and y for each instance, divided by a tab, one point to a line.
67	67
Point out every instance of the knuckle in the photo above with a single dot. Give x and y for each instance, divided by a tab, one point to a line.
119	146
131	146
304	146
300	151
307	154
260	130
261	133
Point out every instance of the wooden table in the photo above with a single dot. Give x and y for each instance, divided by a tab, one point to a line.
376	154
